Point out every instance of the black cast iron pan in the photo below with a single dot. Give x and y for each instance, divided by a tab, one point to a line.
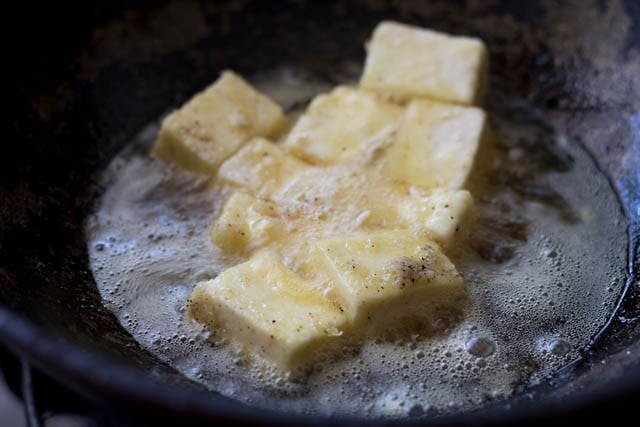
84	79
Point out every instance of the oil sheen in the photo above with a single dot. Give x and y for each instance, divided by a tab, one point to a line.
544	270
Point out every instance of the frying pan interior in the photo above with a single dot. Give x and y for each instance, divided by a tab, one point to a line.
85	82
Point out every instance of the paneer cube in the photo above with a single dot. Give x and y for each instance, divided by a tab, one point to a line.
260	167
408	62
450	212
270	310
443	215
341	125
246	223
436	145
386	279
215	123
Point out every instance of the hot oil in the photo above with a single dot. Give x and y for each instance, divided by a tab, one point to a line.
544	269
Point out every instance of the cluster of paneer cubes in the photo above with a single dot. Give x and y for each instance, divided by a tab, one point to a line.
343	221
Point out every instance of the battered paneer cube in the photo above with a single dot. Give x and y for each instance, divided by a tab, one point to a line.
386	278
260	167
341	125
271	311
444	215
408	62
436	145
246	223
215	123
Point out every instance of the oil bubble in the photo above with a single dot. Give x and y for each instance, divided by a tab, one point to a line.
480	346
559	347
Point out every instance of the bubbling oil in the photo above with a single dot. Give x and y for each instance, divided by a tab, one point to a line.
544	270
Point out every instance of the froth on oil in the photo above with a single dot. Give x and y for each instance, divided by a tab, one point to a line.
543	273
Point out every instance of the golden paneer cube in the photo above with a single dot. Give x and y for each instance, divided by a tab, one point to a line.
436	145
246	223
341	125
215	123
407	62
270	310
386	280
260	167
